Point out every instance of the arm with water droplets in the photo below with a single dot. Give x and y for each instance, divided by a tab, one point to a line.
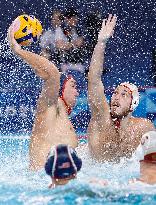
97	98
42	66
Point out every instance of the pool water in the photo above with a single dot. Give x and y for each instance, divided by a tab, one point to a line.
20	186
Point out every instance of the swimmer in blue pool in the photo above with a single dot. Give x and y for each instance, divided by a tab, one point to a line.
113	132
62	165
51	125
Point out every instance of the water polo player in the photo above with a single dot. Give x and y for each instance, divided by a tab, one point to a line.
146	153
62	164
113	132
51	124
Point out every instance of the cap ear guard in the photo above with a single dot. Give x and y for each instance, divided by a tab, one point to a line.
135	94
147	146
76	159
48	165
148	142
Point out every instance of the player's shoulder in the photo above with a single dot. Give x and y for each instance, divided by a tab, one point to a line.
140	120
144	122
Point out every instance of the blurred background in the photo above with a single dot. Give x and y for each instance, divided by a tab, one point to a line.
130	55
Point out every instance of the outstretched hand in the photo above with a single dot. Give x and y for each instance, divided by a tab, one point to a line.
107	28
12	29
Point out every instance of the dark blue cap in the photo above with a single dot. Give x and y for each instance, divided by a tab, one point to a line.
62	162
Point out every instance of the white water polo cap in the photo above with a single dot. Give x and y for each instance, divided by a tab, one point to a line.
134	92
148	147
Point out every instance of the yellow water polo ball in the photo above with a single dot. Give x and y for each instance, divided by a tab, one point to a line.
27	29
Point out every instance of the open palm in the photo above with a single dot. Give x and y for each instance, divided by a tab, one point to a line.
107	28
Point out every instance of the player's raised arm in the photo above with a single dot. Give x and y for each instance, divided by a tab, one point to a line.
43	67
95	87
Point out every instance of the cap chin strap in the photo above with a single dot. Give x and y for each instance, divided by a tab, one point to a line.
116	122
68	108
71	158
54	163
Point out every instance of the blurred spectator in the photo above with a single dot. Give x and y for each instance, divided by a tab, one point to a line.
93	24
52	37
74	49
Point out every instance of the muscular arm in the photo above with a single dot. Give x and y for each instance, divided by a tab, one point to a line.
97	98
42	66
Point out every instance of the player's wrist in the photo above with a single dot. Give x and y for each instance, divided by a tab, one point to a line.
16	48
103	40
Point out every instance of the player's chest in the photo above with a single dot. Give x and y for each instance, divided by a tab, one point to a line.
129	136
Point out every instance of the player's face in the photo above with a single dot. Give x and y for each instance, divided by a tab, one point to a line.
70	92
121	102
